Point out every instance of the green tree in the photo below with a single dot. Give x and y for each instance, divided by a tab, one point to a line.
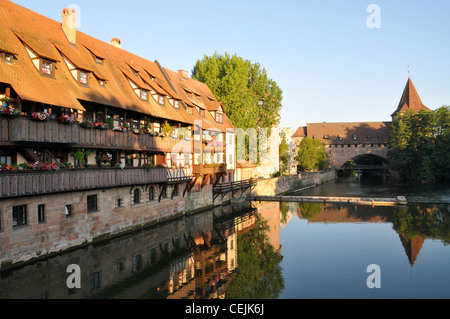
259	274
419	144
311	155
250	98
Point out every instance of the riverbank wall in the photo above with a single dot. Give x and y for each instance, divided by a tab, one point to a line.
288	183
53	223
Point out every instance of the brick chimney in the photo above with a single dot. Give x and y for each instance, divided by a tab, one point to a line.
69	24
183	73
116	42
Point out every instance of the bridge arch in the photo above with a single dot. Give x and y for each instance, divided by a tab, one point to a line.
338	156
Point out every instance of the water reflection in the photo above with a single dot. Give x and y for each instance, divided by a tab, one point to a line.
229	252
413	223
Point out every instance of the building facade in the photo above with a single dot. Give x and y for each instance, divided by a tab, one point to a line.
96	140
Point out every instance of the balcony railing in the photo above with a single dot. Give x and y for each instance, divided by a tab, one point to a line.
209	169
28	183
23	129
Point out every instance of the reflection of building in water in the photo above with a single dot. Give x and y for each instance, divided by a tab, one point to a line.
192	257
287	211
340	213
270	211
412	247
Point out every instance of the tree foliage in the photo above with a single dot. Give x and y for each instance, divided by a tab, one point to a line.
259	274
311	155
250	98
419	144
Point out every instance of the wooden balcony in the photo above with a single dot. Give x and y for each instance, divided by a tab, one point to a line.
209	169
30	182
26	130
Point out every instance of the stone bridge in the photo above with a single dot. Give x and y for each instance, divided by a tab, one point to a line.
344	141
338	156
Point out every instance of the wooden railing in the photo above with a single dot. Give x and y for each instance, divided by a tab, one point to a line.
27	183
233	187
24	129
209	169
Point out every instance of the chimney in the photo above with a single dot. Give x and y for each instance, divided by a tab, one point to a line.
183	73
116	42
69	24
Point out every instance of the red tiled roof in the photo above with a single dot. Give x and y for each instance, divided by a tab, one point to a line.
350	132
410	99
301	132
46	37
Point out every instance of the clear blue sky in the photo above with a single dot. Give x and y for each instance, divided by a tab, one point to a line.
329	64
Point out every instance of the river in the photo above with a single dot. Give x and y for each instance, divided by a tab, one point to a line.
266	250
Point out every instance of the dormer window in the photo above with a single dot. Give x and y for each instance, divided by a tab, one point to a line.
144	95
83	77
47	67
102	83
98	60
8	58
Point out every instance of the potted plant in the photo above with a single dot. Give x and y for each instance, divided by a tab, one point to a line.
40	116
167	129
66	119
147	166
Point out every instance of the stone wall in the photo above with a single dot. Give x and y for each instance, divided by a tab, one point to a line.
59	232
283	184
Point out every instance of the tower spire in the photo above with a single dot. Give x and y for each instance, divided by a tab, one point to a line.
410	99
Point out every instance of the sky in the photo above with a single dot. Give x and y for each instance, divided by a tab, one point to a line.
335	61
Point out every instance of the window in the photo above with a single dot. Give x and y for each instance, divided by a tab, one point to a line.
98	60
83	77
8	58
136	196
189	109
202	113
94	281
91	203
164	192
102	83
68	210
137	262
19	215
175	190
119	202
46	67
144	95
6	159
176	104
41	213
151	193
219	117
161	99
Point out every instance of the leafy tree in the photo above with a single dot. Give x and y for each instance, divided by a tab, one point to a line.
311	155
419	144
250	98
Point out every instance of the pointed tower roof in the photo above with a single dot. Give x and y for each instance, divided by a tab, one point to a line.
412	247
410	100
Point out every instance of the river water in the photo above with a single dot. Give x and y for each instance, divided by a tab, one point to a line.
266	250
